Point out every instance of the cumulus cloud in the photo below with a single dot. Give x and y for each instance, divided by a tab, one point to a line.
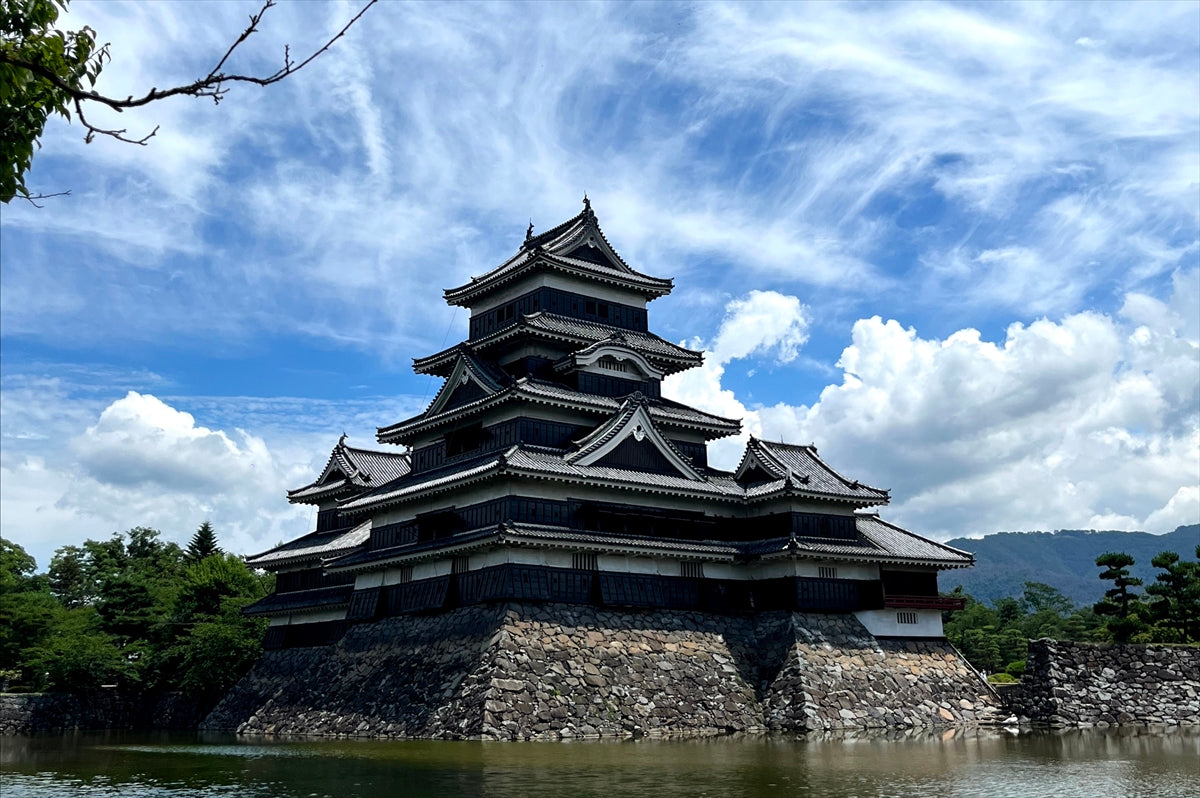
139	441
1085	422
761	323
74	467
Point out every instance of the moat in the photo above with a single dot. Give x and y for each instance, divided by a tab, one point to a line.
1092	763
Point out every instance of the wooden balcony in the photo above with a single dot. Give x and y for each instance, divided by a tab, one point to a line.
924	602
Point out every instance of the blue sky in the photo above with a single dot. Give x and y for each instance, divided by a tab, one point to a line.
955	245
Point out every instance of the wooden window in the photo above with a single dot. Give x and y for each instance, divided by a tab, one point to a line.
827	572
691	570
584	562
460	565
906	617
405	574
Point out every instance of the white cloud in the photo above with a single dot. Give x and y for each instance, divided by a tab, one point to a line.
1085	422
138	461
762	323
722	142
141	442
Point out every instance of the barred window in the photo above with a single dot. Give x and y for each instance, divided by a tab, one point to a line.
405	574
827	572
460	565
584	562
691	570
906	617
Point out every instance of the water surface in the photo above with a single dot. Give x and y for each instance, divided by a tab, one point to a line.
1085	763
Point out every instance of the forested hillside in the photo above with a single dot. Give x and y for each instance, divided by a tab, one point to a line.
1065	559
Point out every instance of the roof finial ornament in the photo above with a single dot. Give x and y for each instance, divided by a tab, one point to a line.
587	204
529	230
342	440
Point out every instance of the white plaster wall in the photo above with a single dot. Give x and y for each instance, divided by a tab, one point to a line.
883	622
428	570
309	617
845	570
518	556
369	579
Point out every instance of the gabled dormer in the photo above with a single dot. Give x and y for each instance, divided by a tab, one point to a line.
630	440
348	471
611	367
469	380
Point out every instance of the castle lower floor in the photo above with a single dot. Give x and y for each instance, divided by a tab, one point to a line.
523	670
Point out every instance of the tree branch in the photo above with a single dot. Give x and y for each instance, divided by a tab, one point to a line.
211	85
30	198
119	135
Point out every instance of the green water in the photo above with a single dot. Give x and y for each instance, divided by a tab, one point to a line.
1087	763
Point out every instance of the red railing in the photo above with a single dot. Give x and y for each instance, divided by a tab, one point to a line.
924	602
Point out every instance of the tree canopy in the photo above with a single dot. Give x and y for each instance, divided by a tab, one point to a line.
133	611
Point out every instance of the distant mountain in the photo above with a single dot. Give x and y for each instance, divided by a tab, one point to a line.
1066	559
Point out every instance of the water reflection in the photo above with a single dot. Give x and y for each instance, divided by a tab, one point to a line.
1091	763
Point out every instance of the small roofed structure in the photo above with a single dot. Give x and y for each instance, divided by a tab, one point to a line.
307	597
549	467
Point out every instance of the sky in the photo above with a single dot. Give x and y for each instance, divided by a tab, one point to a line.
955	246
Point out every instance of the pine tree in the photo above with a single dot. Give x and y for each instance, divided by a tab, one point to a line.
1122	607
1176	591
203	543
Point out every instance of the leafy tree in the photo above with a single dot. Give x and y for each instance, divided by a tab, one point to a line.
132	610
1120	606
28	36
1039	597
17	567
203	543
1176	596
68	578
216	643
27	609
77	656
45	70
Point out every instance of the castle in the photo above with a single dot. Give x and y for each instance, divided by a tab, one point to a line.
550	473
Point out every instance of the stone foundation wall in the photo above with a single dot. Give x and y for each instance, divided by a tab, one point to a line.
1085	684
36	713
548	671
838	676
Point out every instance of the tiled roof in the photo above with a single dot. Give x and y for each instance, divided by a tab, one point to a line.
877	541
426	482
349	469
589	332
548	464
540	535
901	543
552	250
799	469
544	463
317	598
314	546
578	332
808	477
529	389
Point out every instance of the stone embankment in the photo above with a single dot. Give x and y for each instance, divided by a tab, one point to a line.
35	713
561	671
1086	684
